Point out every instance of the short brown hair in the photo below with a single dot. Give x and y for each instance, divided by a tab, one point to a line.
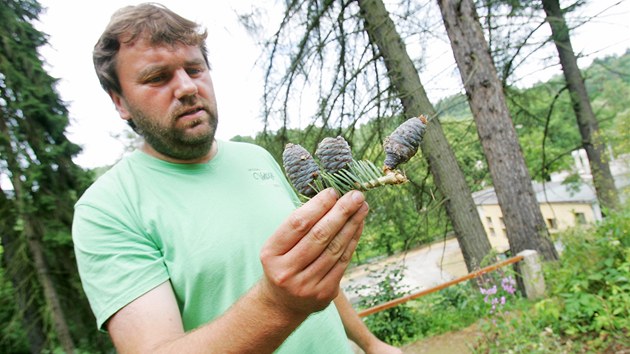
160	26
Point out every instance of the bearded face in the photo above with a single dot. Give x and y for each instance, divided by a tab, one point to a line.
167	94
175	138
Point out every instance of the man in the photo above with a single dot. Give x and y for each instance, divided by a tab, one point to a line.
195	245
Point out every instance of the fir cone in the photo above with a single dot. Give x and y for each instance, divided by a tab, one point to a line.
403	143
300	168
334	154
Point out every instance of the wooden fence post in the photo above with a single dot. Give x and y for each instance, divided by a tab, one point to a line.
532	275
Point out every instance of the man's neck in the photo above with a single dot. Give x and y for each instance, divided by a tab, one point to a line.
149	150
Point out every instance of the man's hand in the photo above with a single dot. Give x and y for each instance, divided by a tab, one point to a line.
305	259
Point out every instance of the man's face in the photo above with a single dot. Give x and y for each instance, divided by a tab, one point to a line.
167	92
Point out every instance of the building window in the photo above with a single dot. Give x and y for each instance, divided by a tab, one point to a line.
489	221
492	233
580	219
552	223
501	222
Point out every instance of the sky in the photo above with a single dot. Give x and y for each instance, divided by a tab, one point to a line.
73	26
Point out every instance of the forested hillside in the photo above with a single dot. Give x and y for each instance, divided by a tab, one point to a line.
545	122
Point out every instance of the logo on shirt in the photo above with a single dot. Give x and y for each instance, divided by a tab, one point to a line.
262	176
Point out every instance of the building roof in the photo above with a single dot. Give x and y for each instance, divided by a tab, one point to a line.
548	192
583	192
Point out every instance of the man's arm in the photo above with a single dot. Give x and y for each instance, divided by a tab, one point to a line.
358	332
303	263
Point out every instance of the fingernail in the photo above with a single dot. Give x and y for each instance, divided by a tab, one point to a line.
358	197
333	192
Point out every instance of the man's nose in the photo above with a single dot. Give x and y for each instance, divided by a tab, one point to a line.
184	84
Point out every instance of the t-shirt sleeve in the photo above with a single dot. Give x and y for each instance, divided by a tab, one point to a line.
117	261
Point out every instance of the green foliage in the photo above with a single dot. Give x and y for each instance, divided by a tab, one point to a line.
594	293
13	337
454	107
545	122
546	127
462	136
450	309
36	212
396	325
588	307
608	84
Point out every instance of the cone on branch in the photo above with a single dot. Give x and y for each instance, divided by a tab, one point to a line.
403	143
334	154
340	171
300	168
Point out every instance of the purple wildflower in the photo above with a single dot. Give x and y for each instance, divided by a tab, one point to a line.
509	285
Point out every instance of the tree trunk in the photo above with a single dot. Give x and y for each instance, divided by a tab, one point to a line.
50	294
589	127
15	270
448	176
523	219
33	235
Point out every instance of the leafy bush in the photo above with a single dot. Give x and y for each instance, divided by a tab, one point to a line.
588	307
453	308
450	309
396	325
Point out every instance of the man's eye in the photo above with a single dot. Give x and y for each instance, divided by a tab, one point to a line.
155	79
194	71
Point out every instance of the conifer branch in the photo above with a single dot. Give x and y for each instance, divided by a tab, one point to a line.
360	175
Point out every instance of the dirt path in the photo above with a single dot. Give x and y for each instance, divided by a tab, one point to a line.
458	342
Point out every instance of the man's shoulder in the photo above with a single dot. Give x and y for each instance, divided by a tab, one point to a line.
107	184
244	150
242	146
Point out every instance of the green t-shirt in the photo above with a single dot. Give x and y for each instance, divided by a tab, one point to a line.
200	226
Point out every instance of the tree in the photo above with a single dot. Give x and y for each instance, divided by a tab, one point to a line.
443	164
592	141
525	225
334	42
43	185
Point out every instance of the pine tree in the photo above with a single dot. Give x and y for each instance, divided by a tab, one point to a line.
40	186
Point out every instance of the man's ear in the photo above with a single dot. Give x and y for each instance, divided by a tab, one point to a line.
121	105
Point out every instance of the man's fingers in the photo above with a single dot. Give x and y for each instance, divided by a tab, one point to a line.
339	249
336	272
341	216
300	222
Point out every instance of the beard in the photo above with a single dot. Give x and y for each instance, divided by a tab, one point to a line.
172	141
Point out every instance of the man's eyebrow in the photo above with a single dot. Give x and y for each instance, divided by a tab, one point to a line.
195	62
150	70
